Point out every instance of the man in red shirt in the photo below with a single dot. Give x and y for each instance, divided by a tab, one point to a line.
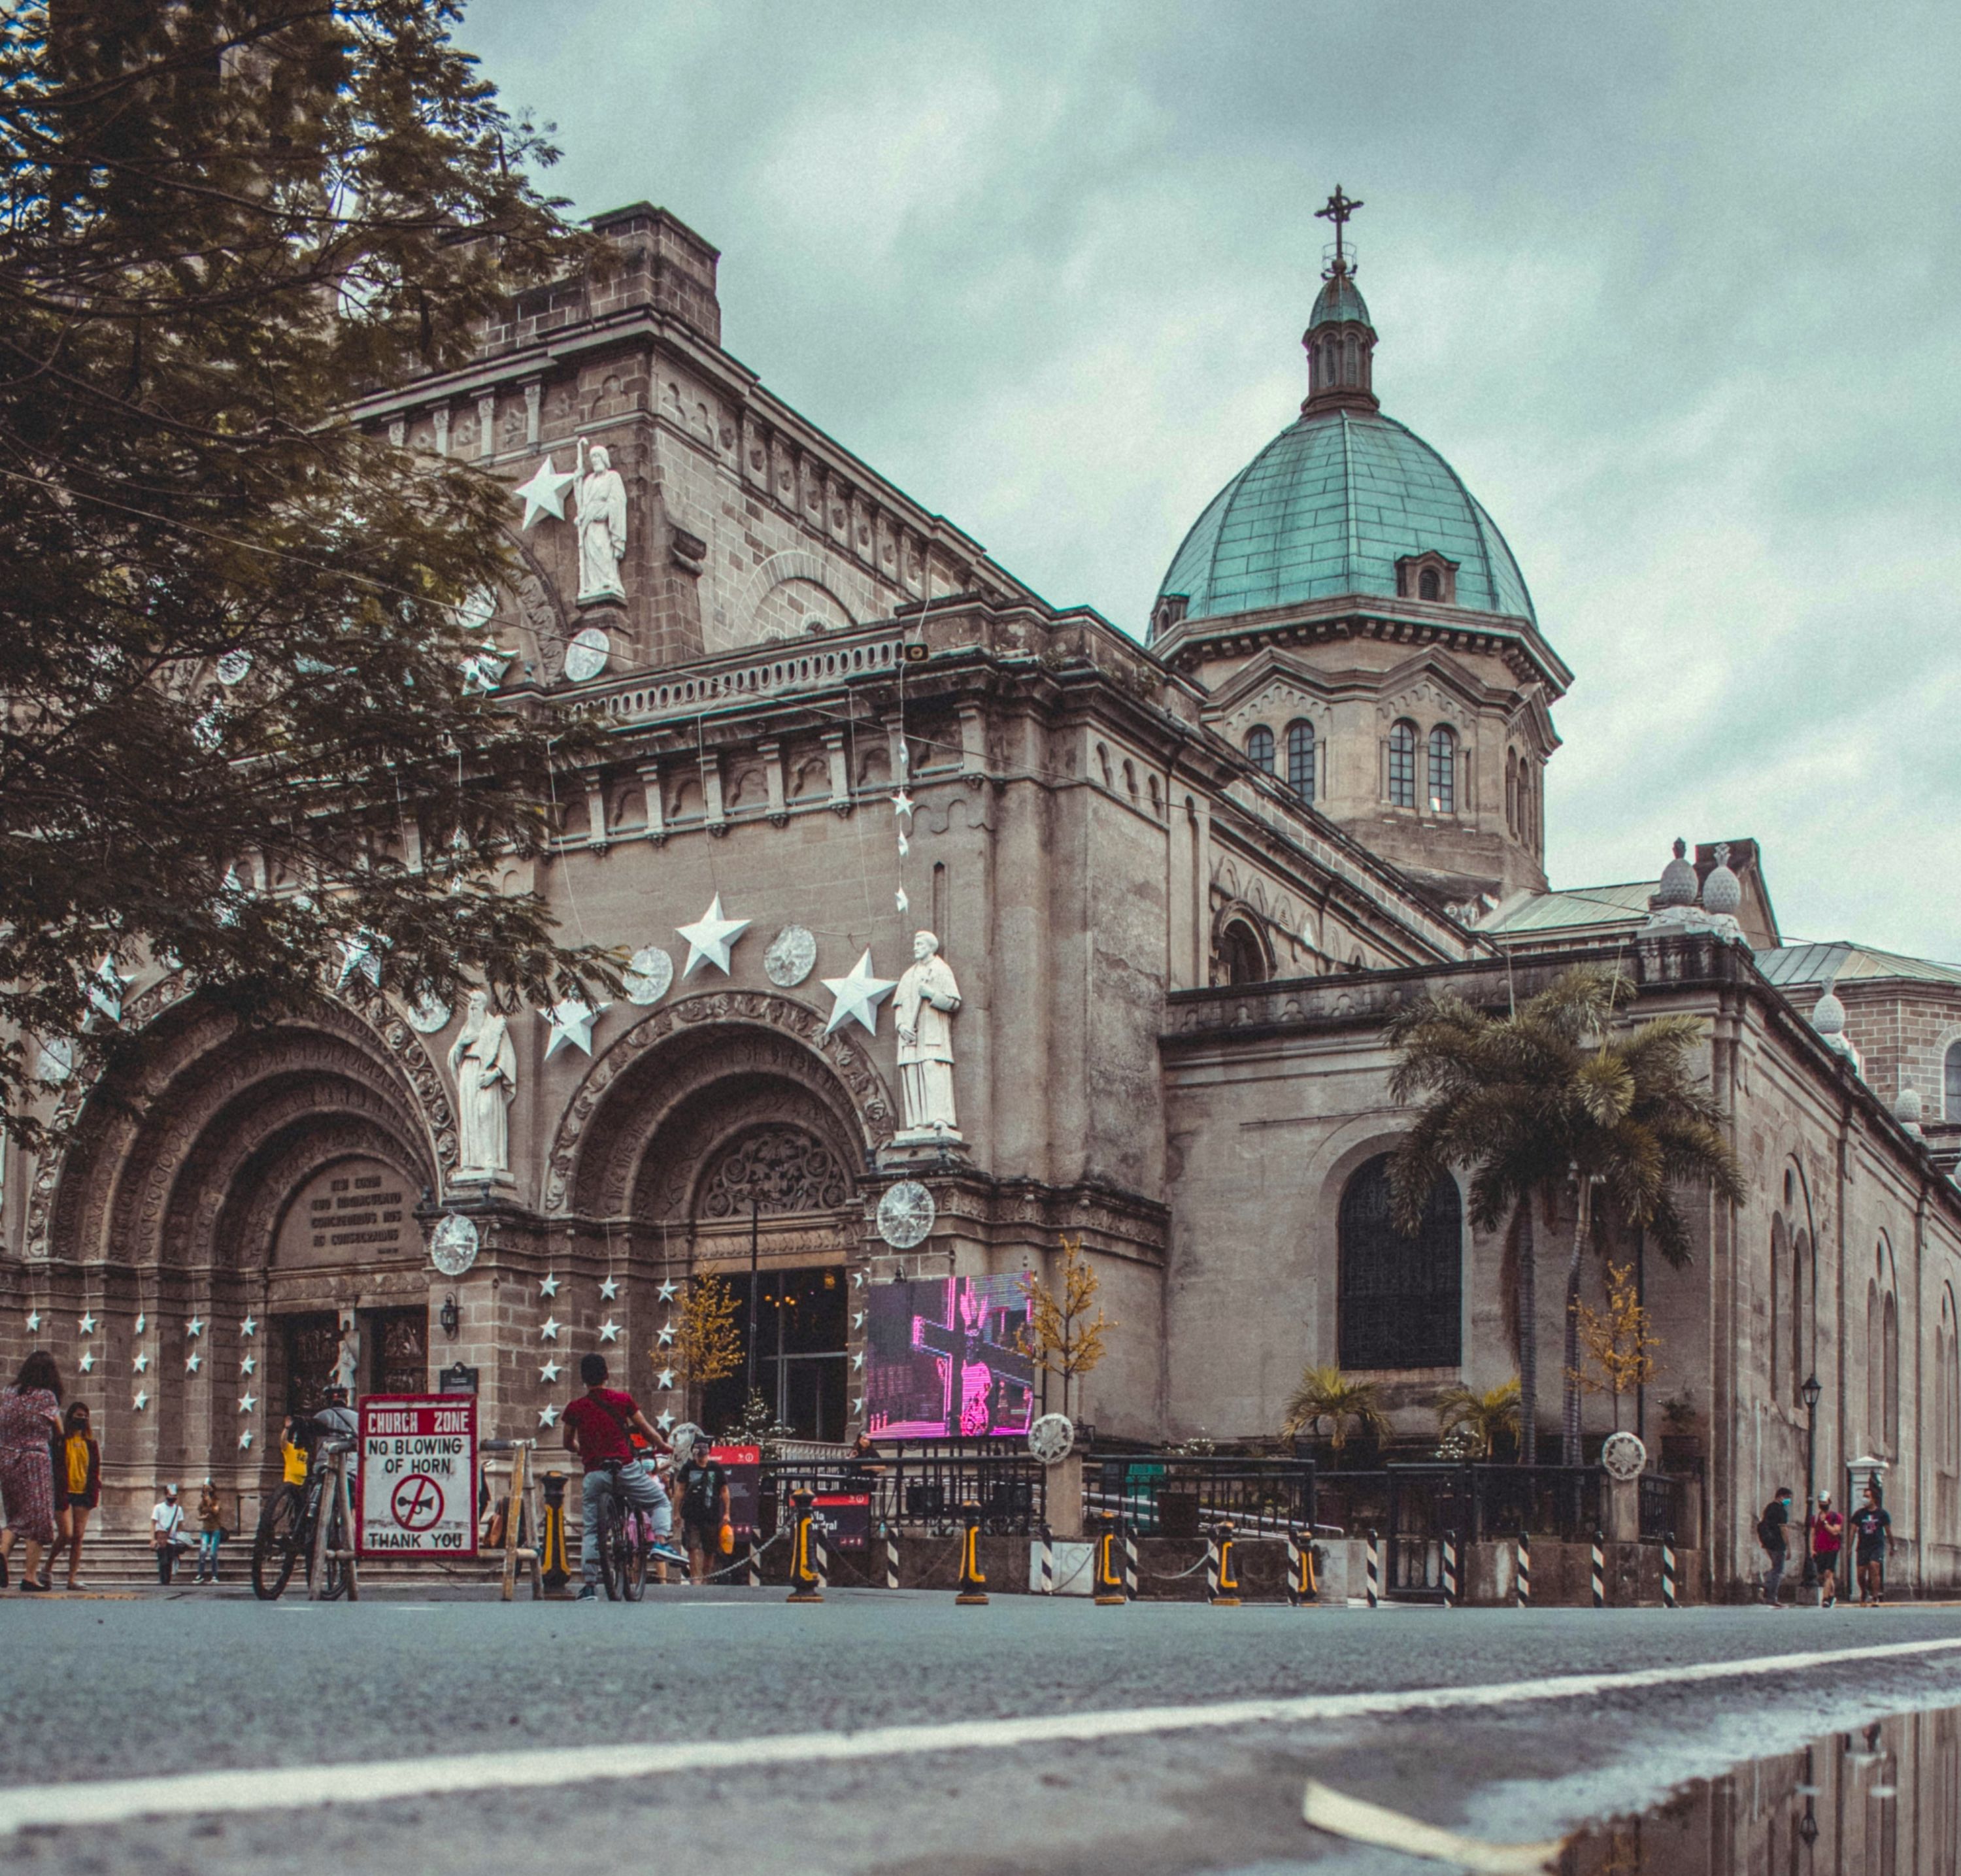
597	1429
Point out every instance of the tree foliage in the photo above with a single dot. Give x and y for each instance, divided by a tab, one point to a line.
1348	1407
1485	1420
223	224
1557	1094
1619	1341
1061	1337
707	1344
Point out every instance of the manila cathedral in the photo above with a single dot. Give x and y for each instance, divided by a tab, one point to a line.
960	923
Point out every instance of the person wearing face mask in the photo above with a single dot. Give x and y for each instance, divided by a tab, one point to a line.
79	1488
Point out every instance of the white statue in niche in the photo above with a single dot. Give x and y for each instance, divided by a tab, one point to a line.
925	1003
485	1065
601	522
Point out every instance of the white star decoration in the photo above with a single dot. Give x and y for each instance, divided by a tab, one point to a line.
665	1337
544	494
858	1320
857	997
33	1320
247	1402
245	1440
664	1420
550	1327
571	1022
357	959
249	1327
484	669
609	1330
140	1319
857	1280
901	901
141	1362
858	1406
192	1363
139	1403
710	937
549	1287
857	1361
608	1290
902	803
194	1326
550	1371
665	1380
106	987
666	1292
548	1415
88	1325
246	1364
86	1364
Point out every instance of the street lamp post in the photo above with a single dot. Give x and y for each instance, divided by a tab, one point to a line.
1808	1393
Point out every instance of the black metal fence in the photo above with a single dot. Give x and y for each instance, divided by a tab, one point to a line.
1179	1495
923	1490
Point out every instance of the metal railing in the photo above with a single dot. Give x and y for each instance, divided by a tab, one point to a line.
923	1491
1180	1494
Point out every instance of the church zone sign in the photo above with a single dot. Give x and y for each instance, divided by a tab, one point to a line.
417	1488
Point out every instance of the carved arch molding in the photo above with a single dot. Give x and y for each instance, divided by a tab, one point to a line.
177	1160
687	1082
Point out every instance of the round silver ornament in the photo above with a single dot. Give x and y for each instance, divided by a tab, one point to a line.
1051	1438
453	1244
791	958
478	610
1623	1456
588	654
56	1061
906	1214
430	1016
646	978
235	667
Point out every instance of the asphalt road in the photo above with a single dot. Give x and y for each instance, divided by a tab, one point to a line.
97	1690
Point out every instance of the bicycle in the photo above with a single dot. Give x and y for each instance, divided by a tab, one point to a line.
285	1538
627	1541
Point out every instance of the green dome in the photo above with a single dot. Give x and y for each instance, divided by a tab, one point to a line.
1340	298
1328	507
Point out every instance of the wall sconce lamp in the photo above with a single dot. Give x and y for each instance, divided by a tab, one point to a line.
450	1317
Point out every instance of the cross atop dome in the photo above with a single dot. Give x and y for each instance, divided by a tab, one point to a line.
1340	210
1340	340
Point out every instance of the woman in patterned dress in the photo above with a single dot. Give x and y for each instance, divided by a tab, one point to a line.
30	1418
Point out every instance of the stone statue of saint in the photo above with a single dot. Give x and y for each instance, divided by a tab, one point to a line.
485	1067
601	522
924	1003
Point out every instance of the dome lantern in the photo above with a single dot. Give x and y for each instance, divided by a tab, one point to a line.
1339	341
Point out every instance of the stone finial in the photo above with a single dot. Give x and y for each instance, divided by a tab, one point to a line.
1677	880
1907	1110
1722	892
1828	1014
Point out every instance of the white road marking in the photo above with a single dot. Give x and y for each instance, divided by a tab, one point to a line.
288	1788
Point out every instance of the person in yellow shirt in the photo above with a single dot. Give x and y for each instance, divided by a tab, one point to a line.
79	1479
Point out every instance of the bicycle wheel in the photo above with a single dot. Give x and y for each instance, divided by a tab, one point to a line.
635	1538
276	1544
334	1583
612	1546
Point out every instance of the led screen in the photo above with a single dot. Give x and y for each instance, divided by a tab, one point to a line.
943	1358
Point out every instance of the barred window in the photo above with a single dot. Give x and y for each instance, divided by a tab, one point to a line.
1300	760
1402	765
1428	586
1260	747
1442	771
1401	1298
1951	1075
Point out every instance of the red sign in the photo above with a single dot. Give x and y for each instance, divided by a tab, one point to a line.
743	1466
416	1495
844	1517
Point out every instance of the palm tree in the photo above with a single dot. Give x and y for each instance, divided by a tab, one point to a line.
1549	1095
1328	1394
1485	1417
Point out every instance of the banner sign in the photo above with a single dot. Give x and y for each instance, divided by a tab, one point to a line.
844	1517
744	1466
416	1493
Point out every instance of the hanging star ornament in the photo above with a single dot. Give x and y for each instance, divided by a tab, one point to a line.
571	1022
88	1325
550	1327
666	1339
192	1363
142	1398
141	1362
140	1319
858	1361
858	1406
106	985
86	1364
902	803
249	1327
544	494
904	904
34	1321
247	1364
664	1420
247	1402
550	1371
608	1290
665	1380
548	1415
666	1292
710	937
195	1327
245	1440
609	1330
549	1287
857	997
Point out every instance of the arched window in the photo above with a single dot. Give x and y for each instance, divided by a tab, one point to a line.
1401	1298
1951	1076
1443	770
1300	760
1875	1372
1240	953
1778	1250
1351	360
1800	1292
1260	747
1891	1403
1402	765
1512	790
1428	586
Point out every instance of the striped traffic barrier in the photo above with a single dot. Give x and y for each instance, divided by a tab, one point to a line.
892	1557
819	1556
1450	1569
804	1585
1668	1572
1109	1586
1302	1589
973	1586
1372	1582
1525	1570
1047	1584
1599	1570
1130	1560
755	1570
1222	1577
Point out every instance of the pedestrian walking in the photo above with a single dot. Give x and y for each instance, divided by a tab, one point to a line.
78	1489
166	1532
1828	1538
704	1482
30	1419
1772	1532
211	1532
598	1428
1872	1526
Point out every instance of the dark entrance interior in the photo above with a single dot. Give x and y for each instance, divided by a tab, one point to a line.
312	1346
800	1366
394	1352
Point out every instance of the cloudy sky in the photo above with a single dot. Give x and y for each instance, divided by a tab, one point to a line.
1677	288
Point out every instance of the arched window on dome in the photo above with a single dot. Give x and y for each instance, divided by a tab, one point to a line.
1443	770
1402	764
1951	1078
1351	360
1400	1299
1260	747
1430	584
1300	760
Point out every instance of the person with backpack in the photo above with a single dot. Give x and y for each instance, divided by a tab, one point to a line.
1772	1530
1828	1538
1872	1524
599	1428
704	1482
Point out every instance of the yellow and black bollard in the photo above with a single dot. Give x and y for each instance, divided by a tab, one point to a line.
804	1586
1110	1590
1224	1574
1302	1588
551	1543
973	1585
